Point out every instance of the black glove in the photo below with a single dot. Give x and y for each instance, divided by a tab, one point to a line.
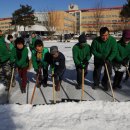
85	62
13	65
80	66
125	61
107	62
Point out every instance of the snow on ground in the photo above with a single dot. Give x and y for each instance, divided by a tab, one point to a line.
66	116
85	115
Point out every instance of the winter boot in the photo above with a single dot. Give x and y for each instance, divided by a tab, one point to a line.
94	86
79	86
105	86
44	83
117	80
23	89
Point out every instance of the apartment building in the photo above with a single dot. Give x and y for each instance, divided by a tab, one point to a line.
62	22
90	20
5	24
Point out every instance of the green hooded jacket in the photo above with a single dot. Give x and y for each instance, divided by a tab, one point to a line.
23	61
32	43
4	53
123	51
42	62
104	49
80	54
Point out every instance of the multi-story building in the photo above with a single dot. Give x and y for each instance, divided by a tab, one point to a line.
62	22
90	20
5	24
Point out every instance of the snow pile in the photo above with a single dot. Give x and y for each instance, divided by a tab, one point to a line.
66	116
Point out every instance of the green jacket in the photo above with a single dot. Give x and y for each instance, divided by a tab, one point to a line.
23	61
123	51
80	54
104	49
35	62
32	43
11	46
4	53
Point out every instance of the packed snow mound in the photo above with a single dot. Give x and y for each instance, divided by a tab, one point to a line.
89	115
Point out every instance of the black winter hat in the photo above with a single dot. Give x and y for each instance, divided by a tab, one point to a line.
82	38
53	49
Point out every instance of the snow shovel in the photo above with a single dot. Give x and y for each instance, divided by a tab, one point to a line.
53	81
82	92
32	97
110	82
10	86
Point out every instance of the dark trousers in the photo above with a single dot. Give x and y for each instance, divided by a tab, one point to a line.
45	75
97	74
23	75
79	74
117	79
58	79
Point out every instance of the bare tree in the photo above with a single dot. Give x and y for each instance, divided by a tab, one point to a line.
125	14
51	21
97	15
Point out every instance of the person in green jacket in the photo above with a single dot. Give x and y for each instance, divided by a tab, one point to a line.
19	59
81	56
5	69
122	58
9	42
32	41
104	49
39	64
